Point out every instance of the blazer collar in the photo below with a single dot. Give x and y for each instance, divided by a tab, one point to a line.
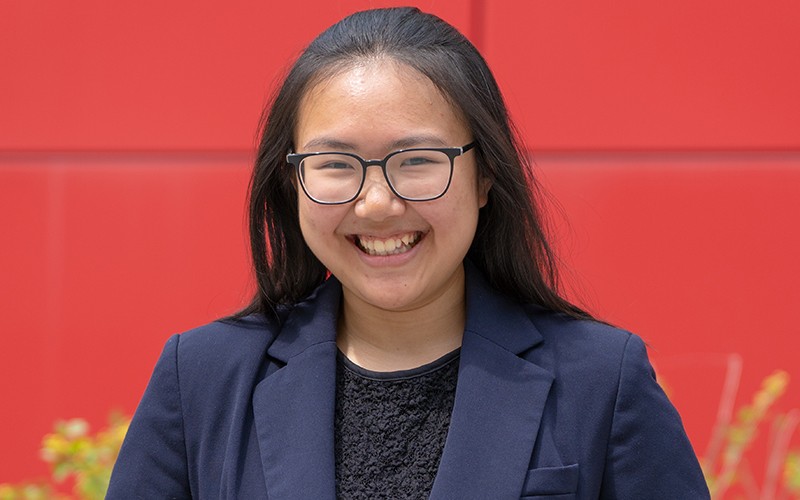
310	322
499	400
495	316
498	406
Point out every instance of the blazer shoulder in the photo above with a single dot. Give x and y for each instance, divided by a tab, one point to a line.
586	353
226	344
230	333
563	332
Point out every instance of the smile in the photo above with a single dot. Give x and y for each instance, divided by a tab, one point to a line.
392	245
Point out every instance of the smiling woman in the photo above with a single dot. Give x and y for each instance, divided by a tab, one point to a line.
407	339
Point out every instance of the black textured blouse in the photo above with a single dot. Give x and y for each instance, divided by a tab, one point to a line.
391	427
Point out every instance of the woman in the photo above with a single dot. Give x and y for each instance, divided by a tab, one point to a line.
407	339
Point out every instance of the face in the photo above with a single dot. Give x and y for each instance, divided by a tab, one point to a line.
389	253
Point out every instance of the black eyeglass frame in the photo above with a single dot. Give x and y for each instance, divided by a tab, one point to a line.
296	159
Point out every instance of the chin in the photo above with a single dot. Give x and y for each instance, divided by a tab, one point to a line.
388	302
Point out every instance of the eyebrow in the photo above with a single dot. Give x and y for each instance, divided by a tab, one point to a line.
332	144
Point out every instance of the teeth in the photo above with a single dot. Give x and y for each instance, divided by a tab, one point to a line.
389	246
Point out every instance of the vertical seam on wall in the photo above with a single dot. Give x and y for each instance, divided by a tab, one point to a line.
477	23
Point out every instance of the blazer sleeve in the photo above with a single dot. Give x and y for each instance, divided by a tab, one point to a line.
649	454
152	461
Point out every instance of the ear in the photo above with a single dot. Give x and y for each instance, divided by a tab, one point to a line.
484	185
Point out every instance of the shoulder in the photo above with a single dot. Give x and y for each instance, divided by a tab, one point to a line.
605	373
592	362
198	393
590	342
220	351
229	337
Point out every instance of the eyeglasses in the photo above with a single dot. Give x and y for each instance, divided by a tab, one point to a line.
417	174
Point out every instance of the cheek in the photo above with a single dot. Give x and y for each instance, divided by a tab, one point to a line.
455	215
307	222
317	222
470	193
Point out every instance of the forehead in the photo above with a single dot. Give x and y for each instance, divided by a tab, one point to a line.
373	100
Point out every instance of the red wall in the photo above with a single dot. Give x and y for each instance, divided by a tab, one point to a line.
669	133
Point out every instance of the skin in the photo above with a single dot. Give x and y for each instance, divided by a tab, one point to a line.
398	311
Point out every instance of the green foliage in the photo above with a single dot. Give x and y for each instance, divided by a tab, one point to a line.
74	454
26	491
729	468
791	473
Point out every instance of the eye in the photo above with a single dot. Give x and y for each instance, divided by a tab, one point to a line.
335	165
413	161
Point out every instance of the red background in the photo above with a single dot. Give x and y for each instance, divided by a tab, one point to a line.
668	134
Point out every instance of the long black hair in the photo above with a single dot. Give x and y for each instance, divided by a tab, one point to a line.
510	246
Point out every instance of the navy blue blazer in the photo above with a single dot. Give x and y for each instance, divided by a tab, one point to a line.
546	407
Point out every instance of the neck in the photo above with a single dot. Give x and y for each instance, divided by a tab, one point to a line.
381	340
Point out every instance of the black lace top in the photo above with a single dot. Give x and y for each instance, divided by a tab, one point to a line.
391	428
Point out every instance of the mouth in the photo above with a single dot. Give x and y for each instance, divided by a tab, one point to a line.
393	245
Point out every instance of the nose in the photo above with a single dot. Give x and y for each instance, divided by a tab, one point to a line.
376	200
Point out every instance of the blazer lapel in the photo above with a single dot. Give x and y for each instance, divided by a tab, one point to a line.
294	405
499	401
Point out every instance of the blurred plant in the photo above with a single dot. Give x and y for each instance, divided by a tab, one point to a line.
75	454
27	491
791	473
724	465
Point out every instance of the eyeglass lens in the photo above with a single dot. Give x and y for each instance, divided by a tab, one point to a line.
415	175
